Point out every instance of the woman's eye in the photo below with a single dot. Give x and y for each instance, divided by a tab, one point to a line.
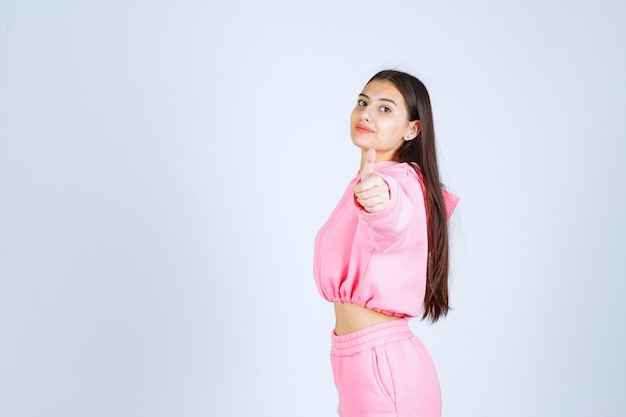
385	109
361	103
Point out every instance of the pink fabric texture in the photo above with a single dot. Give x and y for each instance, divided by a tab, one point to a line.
378	260
384	371
450	200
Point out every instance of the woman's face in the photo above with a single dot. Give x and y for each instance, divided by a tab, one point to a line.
380	120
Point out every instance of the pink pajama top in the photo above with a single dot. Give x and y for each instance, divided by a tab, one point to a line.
378	260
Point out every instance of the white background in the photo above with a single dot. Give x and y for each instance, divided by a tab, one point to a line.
164	167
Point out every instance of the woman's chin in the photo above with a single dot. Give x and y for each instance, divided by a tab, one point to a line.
361	142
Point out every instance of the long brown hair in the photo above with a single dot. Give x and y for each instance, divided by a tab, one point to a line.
421	153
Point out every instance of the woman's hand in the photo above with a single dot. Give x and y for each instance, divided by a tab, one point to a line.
372	192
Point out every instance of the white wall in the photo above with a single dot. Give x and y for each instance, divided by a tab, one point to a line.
164	167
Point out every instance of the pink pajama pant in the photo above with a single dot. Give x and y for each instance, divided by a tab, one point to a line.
384	371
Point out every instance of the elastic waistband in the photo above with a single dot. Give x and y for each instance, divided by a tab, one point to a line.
370	337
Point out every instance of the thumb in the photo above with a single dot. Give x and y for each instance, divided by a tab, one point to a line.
368	166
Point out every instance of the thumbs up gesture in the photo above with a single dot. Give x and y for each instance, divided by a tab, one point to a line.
372	192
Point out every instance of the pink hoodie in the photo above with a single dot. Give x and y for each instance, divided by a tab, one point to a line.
378	260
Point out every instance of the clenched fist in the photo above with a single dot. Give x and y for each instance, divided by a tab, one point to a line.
372	192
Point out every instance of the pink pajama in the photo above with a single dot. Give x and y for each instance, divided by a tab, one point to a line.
384	371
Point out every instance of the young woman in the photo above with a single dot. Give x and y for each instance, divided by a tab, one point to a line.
382	256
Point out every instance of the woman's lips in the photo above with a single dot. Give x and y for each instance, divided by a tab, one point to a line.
363	129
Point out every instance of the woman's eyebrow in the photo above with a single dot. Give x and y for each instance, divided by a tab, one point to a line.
389	100
381	99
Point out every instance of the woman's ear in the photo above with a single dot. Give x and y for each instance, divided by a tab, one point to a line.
414	130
